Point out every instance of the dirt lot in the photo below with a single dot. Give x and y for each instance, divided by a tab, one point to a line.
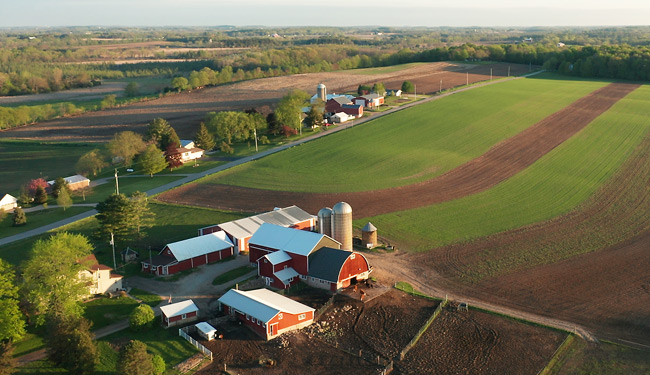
185	111
472	342
498	164
381	327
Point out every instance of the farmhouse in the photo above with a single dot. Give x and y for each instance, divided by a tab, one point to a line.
179	313
190	253
99	276
8	203
240	231
266	313
188	154
335	269
370	100
74	182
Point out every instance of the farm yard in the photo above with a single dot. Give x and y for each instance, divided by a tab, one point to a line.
186	110
473	342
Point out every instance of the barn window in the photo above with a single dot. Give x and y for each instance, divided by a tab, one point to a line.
248	317
254	320
184	316
301	317
280	316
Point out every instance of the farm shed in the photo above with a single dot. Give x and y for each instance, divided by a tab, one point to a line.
370	100
339	117
334	105
206	331
266	313
190	253
335	269
8	202
74	182
100	278
179	313
240	231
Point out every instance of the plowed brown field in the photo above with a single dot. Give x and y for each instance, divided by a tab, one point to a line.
500	163
186	110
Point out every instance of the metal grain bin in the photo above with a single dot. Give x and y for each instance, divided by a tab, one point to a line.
342	224
325	221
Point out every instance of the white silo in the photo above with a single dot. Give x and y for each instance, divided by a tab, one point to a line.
325	221
321	92
342	224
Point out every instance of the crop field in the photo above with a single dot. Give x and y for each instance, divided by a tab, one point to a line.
555	184
186	110
416	144
473	342
23	161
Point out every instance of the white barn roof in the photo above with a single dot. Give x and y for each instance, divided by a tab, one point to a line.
286	274
201	245
262	304
291	240
179	308
277	257
247	226
71	179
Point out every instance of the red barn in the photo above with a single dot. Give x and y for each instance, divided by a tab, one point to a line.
190	253
352	110
334	105
266	313
282	254
370	100
240	231
179	313
335	269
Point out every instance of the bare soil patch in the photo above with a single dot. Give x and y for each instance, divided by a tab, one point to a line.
498	164
186	110
473	342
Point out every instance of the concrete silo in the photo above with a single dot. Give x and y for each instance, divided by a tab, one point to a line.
321	92
342	224
369	235
325	221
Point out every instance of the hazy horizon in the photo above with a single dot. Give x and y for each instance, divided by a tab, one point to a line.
281	13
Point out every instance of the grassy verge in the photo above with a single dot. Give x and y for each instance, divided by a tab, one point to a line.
105	311
127	187
232	275
604	358
38	219
412	145
555	184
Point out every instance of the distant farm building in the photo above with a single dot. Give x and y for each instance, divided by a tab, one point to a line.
74	182
190	253
8	202
240	231
188	151
266	313
395	92
179	313
340	117
100	278
370	100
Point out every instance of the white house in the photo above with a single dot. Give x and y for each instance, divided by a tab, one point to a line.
340	117
8	203
99	276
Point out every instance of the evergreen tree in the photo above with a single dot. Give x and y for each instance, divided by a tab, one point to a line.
169	138
152	160
204	139
134	359
40	196
115	215
19	217
8	363
70	344
157	129
59	183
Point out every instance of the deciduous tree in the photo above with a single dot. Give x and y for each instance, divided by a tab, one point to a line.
64	200
289	110
8	363
132	90
180	83
12	324
19	217
159	366
142	216
70	344
173	157
408	86
125	146
379	88
59	183
142	318
34	184
51	277
109	101
91	163
152	160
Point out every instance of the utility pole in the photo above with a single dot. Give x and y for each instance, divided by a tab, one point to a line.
255	134
508	70
467	79
113	245
490	74
117	186
415	91
440	87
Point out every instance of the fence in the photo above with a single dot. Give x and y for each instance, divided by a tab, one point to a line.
323	308
196	344
556	356
423	329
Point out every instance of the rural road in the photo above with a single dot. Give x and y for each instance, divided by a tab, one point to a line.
195	176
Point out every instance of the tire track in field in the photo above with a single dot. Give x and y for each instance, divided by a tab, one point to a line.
501	162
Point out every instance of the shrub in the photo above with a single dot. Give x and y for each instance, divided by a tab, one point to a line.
141	318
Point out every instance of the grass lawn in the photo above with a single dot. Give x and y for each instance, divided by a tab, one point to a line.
127	187
604	358
172	223
150	299
413	145
37	219
232	275
26	160
555	184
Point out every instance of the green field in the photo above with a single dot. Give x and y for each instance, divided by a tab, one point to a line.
553	185
38	219
413	145
127	186
22	161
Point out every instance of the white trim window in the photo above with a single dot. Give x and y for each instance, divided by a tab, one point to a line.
184	316
302	317
280	316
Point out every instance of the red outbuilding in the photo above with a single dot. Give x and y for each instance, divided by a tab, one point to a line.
190	253
179	313
335	269
267	313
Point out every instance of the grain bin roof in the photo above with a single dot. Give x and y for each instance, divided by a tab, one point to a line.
342	208
369	228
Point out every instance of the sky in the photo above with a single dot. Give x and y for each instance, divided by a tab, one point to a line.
16	13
